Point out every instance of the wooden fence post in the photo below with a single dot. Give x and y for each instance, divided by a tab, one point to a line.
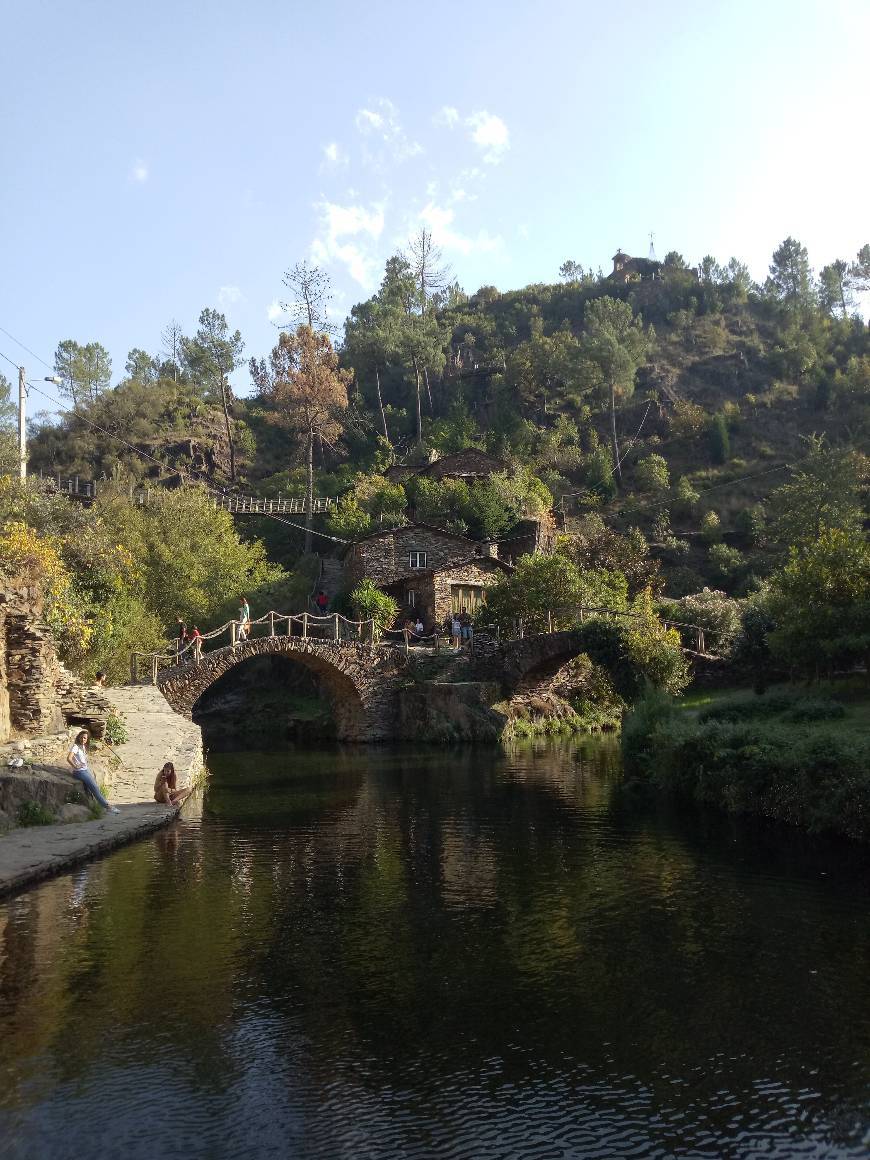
335	626
134	669
305	626
232	633
154	670
405	635
271	624
549	620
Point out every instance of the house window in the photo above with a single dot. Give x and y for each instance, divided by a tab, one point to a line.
417	560
411	598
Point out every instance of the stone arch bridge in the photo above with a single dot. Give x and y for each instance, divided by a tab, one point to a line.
363	682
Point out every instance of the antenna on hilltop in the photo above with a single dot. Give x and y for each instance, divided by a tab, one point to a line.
652	248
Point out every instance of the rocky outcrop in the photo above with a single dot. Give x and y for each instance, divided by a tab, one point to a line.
38	695
447	712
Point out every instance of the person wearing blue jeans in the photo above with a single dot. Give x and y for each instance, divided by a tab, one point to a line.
77	759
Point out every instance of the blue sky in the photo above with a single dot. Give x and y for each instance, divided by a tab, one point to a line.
159	159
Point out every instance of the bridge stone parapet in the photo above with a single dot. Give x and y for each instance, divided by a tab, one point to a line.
361	682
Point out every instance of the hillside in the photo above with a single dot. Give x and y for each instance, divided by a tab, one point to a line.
724	381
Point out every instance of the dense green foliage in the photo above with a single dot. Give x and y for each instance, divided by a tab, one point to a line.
785	756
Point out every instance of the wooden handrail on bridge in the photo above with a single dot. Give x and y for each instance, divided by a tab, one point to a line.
336	628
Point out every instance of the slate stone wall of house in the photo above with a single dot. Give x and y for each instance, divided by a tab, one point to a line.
385	559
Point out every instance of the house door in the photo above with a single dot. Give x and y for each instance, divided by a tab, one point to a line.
466	597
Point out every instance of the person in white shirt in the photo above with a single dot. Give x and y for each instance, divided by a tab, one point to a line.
77	760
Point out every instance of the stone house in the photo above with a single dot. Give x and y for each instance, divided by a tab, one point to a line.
430	572
469	464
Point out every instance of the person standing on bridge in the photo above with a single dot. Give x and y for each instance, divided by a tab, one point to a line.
196	641
244	618
181	636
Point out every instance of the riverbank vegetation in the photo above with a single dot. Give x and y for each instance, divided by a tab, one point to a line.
798	755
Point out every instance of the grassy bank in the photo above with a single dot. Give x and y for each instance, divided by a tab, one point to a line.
796	754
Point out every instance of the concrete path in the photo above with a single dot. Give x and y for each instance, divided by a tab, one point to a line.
35	852
157	735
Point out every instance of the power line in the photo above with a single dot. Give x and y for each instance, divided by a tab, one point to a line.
9	360
18	342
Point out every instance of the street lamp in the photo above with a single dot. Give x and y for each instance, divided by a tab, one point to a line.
22	434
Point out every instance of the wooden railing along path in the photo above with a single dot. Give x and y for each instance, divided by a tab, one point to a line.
86	489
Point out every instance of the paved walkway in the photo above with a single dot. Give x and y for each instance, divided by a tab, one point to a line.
157	734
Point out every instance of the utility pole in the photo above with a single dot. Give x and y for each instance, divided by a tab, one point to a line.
22	436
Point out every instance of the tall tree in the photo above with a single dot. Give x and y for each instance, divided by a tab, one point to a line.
835	291
571	271
141	367
791	279
615	341
311	293
85	372
172	337
8	410
428	268
859	271
212	355
304	383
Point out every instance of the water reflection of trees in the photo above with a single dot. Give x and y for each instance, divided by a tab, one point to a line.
412	915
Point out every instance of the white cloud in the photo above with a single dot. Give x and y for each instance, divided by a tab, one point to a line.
338	223
440	221
228	294
490	134
334	154
274	310
382	122
139	171
446	117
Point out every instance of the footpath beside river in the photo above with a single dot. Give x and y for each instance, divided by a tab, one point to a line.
156	735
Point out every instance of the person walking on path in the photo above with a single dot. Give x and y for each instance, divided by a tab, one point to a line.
196	641
456	631
77	759
181	640
244	618
322	602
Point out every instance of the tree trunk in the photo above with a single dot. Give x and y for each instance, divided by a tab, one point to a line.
229	428
428	391
309	488
615	444
419	411
381	406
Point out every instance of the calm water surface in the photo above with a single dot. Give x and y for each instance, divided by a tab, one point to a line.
471	954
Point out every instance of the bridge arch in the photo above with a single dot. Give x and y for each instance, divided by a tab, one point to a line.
360	683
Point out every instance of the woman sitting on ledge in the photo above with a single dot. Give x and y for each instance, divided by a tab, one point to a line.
77	759
166	790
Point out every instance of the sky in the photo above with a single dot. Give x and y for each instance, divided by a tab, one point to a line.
160	159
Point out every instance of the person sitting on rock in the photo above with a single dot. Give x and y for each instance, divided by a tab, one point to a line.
77	760
166	790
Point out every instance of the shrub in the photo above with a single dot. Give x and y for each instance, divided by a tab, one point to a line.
717	613
720	440
725	561
685	495
651	474
687	418
34	814
369	603
116	732
711	528
749	525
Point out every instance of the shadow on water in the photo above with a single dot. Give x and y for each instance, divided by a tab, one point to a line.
406	952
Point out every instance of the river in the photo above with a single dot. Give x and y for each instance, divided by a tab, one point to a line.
424	953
